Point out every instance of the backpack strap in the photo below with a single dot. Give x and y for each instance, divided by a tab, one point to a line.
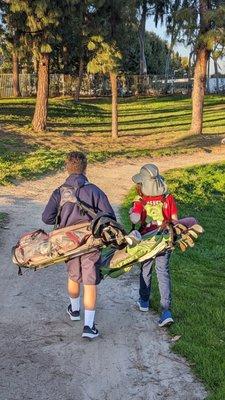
72	195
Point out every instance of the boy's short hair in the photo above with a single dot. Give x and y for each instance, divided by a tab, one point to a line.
77	162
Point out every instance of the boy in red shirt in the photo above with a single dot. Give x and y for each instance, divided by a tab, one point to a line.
153	206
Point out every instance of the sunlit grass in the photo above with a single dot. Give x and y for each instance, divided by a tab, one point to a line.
147	127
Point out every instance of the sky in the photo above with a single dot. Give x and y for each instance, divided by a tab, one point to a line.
183	51
161	31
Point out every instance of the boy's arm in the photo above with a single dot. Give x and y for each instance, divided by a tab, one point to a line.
51	210
136	212
173	209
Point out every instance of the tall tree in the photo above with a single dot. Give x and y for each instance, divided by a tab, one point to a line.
12	40
202	22
156	53
146	8
84	7
173	30
69	54
113	21
106	61
42	34
202	56
141	36
217	53
190	71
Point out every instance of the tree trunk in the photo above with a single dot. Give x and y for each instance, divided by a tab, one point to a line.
198	92
167	68
16	82
35	64
41	108
208	78
169	55
216	75
168	58
202	56
190	73
80	77
113	80
141	34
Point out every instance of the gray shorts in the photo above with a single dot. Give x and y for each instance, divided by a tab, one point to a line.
85	269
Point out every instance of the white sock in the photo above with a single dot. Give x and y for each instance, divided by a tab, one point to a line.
89	316
75	303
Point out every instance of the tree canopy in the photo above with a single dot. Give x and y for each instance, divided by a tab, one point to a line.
64	31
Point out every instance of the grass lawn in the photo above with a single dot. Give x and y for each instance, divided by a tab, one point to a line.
198	276
148	127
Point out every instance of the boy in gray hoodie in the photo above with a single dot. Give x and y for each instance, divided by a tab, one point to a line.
83	269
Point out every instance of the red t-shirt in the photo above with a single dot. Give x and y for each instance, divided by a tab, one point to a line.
169	208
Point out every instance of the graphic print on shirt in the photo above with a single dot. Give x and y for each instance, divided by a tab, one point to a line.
154	212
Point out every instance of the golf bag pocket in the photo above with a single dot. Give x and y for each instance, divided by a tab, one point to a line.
40	249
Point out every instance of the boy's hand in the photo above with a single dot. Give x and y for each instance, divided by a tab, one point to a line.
134	217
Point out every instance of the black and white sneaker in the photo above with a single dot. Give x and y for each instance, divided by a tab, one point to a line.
74	315
90	333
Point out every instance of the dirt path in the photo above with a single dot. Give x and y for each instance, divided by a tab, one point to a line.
42	354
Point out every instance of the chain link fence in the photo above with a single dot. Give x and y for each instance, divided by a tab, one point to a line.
97	86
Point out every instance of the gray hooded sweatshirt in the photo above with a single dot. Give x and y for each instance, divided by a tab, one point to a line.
70	213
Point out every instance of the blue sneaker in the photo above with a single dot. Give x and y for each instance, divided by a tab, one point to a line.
143	305
166	318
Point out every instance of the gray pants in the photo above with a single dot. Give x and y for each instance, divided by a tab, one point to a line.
163	276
